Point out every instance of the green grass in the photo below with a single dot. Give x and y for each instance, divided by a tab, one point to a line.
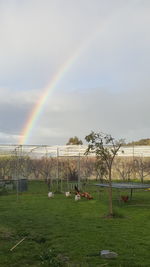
62	232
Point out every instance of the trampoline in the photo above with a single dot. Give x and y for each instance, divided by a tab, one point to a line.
130	186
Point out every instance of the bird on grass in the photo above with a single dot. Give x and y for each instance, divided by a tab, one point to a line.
68	194
77	197
84	194
124	198
50	194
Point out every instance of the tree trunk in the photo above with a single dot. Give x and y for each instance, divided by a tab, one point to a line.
142	175
110	194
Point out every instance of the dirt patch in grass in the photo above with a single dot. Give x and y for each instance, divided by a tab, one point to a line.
6	233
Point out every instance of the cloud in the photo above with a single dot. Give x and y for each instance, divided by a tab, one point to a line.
38	37
107	86
5	138
121	115
14	108
10	96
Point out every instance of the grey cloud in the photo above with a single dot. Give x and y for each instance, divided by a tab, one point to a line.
121	115
38	37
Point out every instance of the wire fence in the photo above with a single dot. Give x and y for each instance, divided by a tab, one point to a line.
62	167
38	151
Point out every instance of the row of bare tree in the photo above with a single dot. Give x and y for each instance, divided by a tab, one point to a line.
73	168
135	168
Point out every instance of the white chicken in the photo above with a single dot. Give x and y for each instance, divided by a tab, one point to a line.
68	194
77	197
50	194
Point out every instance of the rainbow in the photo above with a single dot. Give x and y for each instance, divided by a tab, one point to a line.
38	108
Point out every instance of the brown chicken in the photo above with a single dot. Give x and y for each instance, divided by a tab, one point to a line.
84	194
124	198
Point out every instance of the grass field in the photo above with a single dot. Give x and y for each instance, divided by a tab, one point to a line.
62	232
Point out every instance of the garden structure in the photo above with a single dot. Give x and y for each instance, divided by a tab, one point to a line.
122	186
64	166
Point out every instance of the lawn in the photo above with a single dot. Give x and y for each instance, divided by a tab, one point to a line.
62	232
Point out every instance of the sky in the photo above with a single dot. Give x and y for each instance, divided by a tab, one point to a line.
105	86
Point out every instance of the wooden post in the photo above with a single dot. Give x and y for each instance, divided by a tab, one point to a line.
79	171
131	194
57	168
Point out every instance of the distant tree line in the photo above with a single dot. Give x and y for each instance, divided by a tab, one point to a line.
141	142
74	141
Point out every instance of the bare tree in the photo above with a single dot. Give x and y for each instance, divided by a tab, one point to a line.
87	167
5	166
73	174
46	170
142	168
36	168
124	168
